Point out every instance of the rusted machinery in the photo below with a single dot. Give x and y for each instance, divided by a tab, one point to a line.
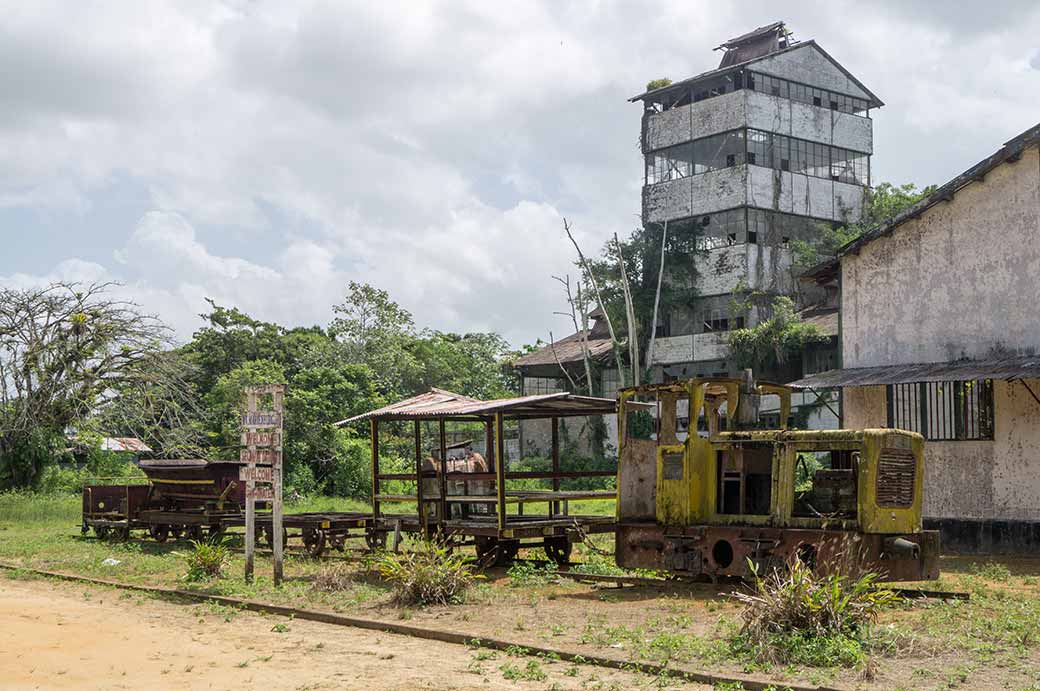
198	498
710	505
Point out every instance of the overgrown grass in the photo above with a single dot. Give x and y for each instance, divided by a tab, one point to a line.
794	615
34	507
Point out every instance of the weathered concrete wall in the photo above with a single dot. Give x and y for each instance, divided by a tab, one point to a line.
958	281
536	436
803	195
696	120
673	349
807	64
974	480
769	269
707	193
722	270
804	121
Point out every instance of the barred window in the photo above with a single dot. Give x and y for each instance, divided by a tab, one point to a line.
944	410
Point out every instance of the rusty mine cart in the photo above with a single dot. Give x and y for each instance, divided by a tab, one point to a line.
463	498
710	505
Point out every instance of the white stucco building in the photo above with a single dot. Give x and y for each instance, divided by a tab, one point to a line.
940	334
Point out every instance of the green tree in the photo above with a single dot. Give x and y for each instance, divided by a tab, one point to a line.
376	331
470	364
883	203
769	345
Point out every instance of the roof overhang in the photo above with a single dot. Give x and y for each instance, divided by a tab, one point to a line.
1003	368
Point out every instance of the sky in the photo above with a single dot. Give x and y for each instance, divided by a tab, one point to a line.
265	154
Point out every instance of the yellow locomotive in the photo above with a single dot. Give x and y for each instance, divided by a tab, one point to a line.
709	503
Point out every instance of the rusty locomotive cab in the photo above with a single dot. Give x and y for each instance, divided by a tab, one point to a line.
706	488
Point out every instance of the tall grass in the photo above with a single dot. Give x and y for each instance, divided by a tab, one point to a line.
33	507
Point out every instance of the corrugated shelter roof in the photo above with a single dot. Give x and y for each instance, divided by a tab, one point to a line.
441	405
568	350
1005	368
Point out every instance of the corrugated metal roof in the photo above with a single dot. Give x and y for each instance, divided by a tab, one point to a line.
1018	367
875	102
824	319
568	350
440	404
1011	151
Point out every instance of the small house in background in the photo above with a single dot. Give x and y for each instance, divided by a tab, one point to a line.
940	335
133	448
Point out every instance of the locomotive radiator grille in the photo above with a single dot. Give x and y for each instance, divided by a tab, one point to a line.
897	469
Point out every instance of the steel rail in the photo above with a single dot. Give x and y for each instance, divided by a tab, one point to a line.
652	669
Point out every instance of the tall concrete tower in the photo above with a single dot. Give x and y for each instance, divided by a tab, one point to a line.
747	159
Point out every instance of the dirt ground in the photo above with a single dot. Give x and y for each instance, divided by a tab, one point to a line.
62	636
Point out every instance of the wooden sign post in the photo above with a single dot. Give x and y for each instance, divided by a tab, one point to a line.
261	455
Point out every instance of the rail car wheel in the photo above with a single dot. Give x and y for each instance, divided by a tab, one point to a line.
314	541
122	534
269	537
160	533
101	531
176	532
558	549
375	540
215	532
338	542
494	552
194	532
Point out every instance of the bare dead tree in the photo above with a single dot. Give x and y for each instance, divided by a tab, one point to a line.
614	343
556	356
657	301
578	306
630	315
69	352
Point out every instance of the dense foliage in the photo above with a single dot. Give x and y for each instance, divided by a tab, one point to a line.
104	369
767	346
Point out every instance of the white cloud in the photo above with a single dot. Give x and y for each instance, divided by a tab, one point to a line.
430	149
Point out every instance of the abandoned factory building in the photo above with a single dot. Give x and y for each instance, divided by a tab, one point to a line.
743	161
940	335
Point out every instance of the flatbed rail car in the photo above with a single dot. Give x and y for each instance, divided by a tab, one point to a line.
739	497
198	498
466	501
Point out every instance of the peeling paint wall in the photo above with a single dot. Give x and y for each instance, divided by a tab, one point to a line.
803	195
698	194
959	281
722	270
980	480
807	64
804	121
696	120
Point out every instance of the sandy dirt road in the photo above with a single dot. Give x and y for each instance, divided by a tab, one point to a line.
57	635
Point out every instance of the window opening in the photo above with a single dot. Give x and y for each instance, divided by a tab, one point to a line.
944	410
744	480
825	484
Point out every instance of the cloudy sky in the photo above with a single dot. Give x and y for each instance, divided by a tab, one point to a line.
264	154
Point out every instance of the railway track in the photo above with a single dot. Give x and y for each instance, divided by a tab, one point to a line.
910	593
469	640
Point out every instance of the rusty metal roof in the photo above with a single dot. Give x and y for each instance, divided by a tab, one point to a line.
438	404
1010	151
825	319
568	350
875	102
118	444
1005	368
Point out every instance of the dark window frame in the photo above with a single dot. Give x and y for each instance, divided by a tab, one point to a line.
943	410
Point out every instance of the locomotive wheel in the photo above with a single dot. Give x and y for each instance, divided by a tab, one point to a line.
375	540
314	541
159	532
558	549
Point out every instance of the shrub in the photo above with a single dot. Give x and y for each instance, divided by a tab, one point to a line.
431	575
206	560
797	616
522	574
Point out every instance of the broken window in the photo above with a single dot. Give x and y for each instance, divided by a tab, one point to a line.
825	484
696	157
809	158
806	94
744	476
943	410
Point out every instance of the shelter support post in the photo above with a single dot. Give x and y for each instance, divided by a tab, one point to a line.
500	469
419	480
375	467
554	507
443	471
